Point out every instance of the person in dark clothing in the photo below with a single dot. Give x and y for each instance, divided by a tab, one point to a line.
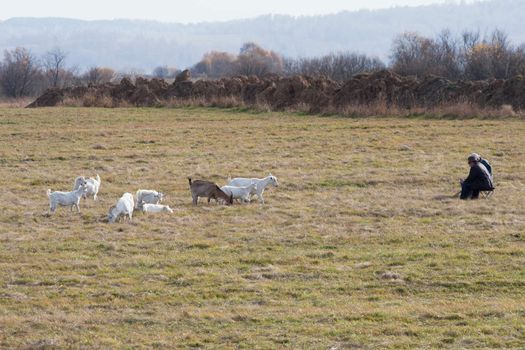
483	161
479	179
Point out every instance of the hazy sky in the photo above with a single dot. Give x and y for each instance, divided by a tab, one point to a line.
188	10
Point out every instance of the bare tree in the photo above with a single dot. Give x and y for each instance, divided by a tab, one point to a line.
447	53
491	57
517	61
413	54
98	75
54	63
165	72
19	73
215	65
254	60
161	72
500	54
336	66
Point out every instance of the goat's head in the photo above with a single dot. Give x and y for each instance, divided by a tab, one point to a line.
168	209
82	187
273	180
112	215
80	181
160	196
230	200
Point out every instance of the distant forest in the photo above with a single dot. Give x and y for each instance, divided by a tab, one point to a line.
140	46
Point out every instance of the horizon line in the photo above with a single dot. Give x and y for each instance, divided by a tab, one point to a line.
455	3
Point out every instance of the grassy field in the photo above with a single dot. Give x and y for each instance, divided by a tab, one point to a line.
360	246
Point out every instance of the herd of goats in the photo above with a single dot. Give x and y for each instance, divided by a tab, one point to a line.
148	201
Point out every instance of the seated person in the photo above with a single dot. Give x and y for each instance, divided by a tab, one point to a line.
479	179
483	161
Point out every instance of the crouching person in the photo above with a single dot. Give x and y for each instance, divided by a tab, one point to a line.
479	179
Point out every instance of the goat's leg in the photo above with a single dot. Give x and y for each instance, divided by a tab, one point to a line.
195	199
78	208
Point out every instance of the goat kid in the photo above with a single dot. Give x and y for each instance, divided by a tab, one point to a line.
242	194
261	184
156	208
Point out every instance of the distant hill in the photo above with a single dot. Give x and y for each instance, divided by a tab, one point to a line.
142	45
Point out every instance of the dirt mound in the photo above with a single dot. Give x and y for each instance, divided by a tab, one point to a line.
143	96
384	86
208	89
233	86
51	97
124	90
307	93
504	92
180	90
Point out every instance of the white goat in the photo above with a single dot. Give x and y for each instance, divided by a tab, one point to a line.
124	207
260	184
148	197
156	208
240	193
66	199
93	185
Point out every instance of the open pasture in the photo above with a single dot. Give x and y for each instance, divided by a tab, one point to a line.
360	246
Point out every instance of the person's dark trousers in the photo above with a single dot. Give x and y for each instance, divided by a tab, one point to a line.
467	192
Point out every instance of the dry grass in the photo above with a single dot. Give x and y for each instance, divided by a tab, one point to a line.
15	102
360	246
220	102
460	110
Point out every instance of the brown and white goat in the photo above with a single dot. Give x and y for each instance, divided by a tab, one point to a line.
208	190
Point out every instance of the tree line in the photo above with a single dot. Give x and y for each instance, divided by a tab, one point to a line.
469	56
23	74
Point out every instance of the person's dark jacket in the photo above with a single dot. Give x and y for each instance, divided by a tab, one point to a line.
479	178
